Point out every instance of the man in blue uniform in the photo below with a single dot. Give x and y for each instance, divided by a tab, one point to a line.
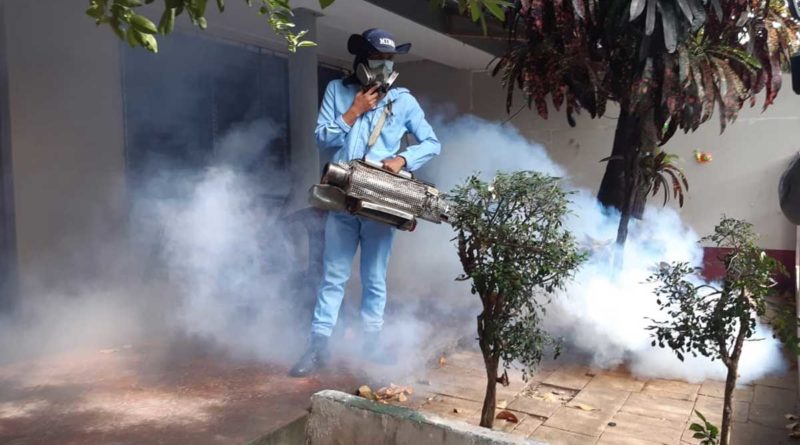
363	121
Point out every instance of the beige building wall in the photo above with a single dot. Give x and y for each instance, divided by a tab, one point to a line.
66	135
741	182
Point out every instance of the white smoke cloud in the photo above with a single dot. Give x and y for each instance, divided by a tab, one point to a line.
601	314
212	260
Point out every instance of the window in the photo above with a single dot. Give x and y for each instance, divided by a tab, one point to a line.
183	103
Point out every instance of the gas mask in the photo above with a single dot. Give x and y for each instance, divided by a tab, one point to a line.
376	72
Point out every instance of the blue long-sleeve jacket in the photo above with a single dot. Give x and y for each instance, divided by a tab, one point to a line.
350	143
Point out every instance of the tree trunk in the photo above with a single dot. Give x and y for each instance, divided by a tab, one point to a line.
619	188
730	383
612	191
491	362
490	400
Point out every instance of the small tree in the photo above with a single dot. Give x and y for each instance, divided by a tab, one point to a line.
715	321
514	249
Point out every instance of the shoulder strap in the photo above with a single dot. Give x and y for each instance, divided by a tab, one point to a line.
373	138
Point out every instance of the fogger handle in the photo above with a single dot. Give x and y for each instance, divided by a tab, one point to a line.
402	173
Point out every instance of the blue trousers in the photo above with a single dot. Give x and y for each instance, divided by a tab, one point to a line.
343	234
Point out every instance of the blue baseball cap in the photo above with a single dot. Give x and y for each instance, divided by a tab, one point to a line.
375	40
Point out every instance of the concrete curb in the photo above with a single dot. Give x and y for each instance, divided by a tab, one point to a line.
340	418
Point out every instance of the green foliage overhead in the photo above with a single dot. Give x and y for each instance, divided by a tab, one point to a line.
515	251
672	72
124	20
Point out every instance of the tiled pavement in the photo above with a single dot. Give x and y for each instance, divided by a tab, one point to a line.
574	405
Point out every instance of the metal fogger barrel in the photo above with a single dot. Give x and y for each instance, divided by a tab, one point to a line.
367	190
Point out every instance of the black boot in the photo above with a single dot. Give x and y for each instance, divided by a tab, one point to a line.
374	350
315	358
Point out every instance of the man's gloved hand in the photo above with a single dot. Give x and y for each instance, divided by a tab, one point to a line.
395	164
363	102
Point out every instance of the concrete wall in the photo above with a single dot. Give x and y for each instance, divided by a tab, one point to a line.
742	180
66	137
339	418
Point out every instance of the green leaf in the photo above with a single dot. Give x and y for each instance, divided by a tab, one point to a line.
494	7
167	22
95	11
146	40
637	7
475	10
129	3
325	3
143	24
221	5
696	427
306	44
130	37
699	436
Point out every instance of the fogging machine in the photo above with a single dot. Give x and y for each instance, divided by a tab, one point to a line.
366	189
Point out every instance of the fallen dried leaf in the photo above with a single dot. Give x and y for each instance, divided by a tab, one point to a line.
612	423
549	398
790	417
455	410
508	416
442	361
584	407
502	404
402	398
366	392
791	426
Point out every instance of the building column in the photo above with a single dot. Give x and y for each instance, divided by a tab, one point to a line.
303	109
8	253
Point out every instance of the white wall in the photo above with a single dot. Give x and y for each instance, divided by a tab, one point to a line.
741	182
66	136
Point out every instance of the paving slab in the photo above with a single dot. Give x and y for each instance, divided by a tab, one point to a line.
535	406
528	426
501	424
572	378
588	423
452	408
783	399
643	404
610	438
616	381
148	393
768	415
663	431
783	380
753	434
712	388
554	436
606	400
711	407
673	389
716	388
